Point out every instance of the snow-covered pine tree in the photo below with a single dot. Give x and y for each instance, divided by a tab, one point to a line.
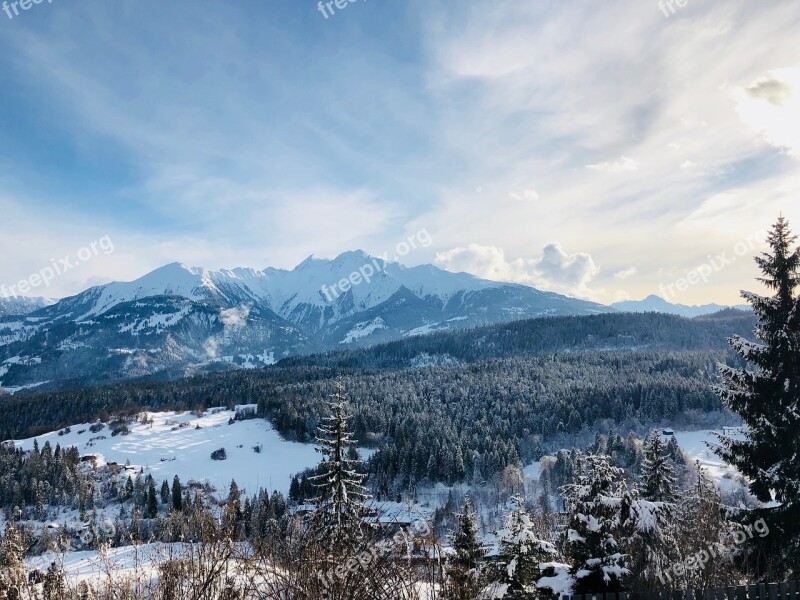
520	554
767	398
591	543
340	502
463	570
657	473
151	504
177	494
647	537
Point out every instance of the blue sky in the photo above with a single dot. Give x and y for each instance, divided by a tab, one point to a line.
597	149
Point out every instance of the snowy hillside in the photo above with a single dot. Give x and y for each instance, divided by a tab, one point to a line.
181	444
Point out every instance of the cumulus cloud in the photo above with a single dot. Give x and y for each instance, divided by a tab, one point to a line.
555	270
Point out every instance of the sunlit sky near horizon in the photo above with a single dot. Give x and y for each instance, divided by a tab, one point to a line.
598	149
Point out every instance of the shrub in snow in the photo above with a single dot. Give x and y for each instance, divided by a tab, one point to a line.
219	454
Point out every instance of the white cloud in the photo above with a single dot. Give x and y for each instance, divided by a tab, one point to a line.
617	166
771	107
625	273
235	317
555	270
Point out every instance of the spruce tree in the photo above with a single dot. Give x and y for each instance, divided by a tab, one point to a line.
341	498
464	568
592	537
165	494
520	554
151	504
767	398
177	494
657	473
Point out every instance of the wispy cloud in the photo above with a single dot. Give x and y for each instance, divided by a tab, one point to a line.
202	137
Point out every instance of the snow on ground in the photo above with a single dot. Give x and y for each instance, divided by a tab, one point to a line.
91	564
181	444
533	471
139	565
426	329
18	388
693	443
363	329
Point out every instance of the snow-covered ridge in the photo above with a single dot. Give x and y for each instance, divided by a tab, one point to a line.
284	290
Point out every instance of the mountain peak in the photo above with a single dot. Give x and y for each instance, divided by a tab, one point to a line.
311	260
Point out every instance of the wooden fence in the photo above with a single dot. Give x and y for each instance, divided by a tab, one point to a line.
765	591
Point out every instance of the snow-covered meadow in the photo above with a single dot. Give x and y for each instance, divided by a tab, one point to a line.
173	443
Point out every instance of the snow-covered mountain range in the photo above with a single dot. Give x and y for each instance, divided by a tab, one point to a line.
22	305
177	319
655	303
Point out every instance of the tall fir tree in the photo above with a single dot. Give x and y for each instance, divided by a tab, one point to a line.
594	502
767	398
657	473
521	552
340	503
151	503
177	494
463	570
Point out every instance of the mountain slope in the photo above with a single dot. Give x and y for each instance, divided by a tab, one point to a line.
178	320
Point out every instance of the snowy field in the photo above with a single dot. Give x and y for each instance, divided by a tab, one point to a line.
181	444
693	443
